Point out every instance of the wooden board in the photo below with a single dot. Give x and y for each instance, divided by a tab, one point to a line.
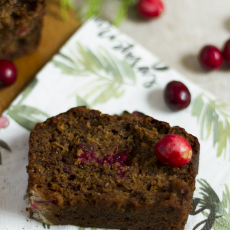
55	33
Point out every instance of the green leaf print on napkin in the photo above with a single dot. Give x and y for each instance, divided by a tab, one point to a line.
27	116
46	226
28	90
218	216
111	73
5	146
213	115
81	102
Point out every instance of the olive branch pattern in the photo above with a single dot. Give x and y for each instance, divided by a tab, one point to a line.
213	114
26	116
81	102
46	226
111	73
5	146
218	217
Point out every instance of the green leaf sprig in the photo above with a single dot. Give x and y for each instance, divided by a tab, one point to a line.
122	11
93	8
64	6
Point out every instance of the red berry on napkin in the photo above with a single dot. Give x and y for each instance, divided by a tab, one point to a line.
177	96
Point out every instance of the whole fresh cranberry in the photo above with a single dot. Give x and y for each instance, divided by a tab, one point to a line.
210	57
173	150
177	96
8	73
150	8
226	52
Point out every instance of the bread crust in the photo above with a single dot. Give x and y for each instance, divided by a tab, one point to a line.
139	193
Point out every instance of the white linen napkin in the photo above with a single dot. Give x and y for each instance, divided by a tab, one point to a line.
106	70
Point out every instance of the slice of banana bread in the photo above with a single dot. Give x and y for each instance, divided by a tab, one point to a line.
95	170
21	23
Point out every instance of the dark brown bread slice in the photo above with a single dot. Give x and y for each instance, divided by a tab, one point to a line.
94	170
21	23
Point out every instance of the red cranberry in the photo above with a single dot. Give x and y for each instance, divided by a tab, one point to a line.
210	57
138	114
8	73
226	51
35	204
23	32
120	158
177	96
4	122
150	8
90	156
173	150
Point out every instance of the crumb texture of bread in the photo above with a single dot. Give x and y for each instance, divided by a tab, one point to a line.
21	23
95	170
